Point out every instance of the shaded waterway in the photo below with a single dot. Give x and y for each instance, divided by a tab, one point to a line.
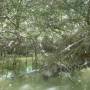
78	81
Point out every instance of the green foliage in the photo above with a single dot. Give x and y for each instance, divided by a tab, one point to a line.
59	28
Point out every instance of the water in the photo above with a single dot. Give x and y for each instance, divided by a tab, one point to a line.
79	81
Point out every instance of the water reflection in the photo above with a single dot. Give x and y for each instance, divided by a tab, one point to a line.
8	75
26	87
52	88
80	82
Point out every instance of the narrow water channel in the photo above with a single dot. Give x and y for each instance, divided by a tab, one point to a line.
77	82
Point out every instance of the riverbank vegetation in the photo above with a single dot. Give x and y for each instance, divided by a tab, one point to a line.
46	37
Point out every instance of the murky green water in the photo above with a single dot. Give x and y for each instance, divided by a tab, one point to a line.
78	82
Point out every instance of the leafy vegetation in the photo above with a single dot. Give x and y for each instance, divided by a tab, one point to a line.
45	32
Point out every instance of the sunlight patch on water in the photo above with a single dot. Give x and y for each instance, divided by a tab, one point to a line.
64	87
26	87
85	75
52	88
10	85
30	70
85	70
9	75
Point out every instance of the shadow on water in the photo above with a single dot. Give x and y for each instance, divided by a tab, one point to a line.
79	81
